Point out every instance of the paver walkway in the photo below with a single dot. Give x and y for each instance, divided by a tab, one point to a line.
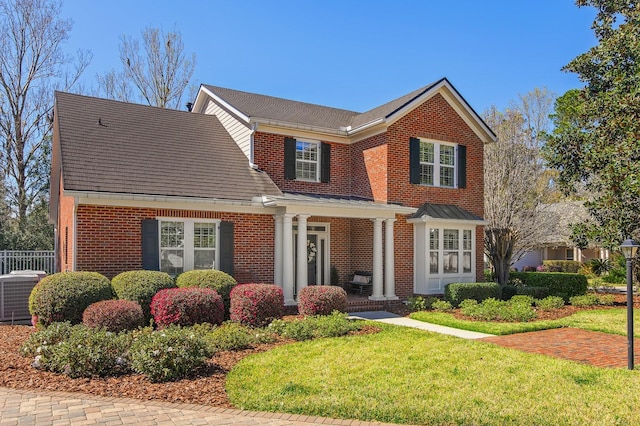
21	407
589	347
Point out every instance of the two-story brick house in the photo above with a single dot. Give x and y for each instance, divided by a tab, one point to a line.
273	190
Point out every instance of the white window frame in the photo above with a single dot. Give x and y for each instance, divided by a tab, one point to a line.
437	164
318	146
188	243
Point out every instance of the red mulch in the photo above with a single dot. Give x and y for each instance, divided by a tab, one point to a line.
206	386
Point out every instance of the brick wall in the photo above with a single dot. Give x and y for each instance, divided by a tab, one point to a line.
64	256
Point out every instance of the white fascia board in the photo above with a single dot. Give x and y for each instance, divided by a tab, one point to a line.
457	103
168	202
339	210
225	104
300	133
446	222
298	126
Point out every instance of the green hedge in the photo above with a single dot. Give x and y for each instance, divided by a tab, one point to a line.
508	291
560	284
141	286
457	292
571	266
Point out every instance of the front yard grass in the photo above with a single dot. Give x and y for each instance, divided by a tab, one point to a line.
403	375
612	321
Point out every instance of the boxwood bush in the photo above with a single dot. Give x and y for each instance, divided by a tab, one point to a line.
187	306
455	293
560	284
64	296
321	300
508	291
114	315
216	280
256	305
141	286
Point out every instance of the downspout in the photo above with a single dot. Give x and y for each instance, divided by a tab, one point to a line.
75	233
254	127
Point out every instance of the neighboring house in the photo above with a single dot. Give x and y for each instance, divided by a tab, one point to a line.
555	242
273	190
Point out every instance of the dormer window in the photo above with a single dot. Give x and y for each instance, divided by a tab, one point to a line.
306	160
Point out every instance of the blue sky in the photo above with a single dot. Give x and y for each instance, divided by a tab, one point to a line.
353	54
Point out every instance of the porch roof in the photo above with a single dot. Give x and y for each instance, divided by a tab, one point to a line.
335	205
445	212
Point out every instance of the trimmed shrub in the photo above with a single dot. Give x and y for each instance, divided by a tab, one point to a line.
114	315
560	284
41	342
442	306
455	293
421	303
584	300
321	300
169	354
65	295
187	306
334	325
256	305
571	266
492	309
230	336
549	303
216	280
89	352
522	299
141	286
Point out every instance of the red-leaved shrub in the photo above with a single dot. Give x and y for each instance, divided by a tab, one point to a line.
256	305
187	306
321	300
114	315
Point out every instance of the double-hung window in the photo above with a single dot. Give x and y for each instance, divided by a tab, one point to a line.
437	164
450	251
187	244
307	160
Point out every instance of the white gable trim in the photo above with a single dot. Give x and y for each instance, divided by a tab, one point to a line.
202	104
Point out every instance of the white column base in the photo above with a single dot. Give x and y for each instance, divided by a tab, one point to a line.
378	298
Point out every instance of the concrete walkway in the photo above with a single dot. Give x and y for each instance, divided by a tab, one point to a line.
389	318
22	407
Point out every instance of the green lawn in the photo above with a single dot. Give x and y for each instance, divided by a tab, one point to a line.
404	375
606	320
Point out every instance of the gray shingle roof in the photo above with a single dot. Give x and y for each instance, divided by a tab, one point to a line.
117	147
258	106
444	211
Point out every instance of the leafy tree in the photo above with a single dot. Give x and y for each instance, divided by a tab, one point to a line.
514	180
159	75
32	66
595	145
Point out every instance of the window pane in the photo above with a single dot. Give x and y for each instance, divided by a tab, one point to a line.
172	261
433	239
426	152
204	235
204	259
451	239
450	260
171	234
433	263
466	239
447	155
466	261
307	160
426	174
446	176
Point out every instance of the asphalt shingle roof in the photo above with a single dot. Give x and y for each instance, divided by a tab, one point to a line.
117	147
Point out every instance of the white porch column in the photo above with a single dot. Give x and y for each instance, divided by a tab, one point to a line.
277	251
287	259
389	259
301	263
377	260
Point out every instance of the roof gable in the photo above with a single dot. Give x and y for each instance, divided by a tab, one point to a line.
117	147
294	114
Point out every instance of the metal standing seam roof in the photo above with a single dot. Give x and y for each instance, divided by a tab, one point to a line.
117	147
444	211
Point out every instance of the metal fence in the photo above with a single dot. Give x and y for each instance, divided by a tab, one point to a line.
20	260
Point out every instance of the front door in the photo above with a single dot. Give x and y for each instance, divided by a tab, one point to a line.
317	254
312	259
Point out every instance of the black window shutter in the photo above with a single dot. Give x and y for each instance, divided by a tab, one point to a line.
325	162
289	158
414	160
462	166
150	245
226	247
